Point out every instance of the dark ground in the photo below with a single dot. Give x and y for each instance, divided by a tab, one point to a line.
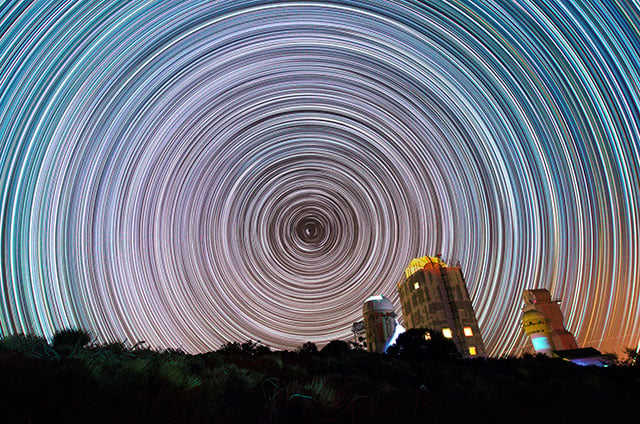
111	384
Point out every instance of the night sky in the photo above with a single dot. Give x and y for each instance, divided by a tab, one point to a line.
190	173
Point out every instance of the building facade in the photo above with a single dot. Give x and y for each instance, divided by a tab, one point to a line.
434	295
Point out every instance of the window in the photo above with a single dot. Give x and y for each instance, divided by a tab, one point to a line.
468	332
472	351
416	285
447	333
541	344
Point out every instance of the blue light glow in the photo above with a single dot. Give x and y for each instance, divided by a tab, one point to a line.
541	344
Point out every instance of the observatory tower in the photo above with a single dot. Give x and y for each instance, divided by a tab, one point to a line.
380	324
434	295
542	321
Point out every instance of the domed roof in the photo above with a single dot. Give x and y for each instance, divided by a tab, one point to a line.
378	303
417	264
532	313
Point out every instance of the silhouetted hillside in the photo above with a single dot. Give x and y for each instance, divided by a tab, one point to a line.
76	382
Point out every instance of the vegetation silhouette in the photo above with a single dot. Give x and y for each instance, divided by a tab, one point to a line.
336	347
308	348
69	340
247	382
249	347
633	358
424	343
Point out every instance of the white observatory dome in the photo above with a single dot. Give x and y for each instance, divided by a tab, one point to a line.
377	303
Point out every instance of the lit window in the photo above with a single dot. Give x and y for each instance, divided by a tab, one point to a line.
472	351
416	285
468	332
447	333
427	336
541	344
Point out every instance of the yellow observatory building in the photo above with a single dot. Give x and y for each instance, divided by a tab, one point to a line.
434	295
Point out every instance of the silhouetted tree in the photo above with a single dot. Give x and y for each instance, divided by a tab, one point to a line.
633	357
336	347
308	348
610	358
230	348
255	348
247	348
425	344
114	347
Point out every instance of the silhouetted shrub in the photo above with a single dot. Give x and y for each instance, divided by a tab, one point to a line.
69	340
176	371
29	346
114	347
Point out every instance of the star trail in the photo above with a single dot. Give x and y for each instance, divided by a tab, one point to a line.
190	173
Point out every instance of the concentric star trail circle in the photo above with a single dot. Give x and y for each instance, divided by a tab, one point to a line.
191	173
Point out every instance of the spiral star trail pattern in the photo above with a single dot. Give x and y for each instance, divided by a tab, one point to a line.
190	173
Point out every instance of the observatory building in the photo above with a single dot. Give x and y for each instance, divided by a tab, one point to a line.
542	321
434	295
380	324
